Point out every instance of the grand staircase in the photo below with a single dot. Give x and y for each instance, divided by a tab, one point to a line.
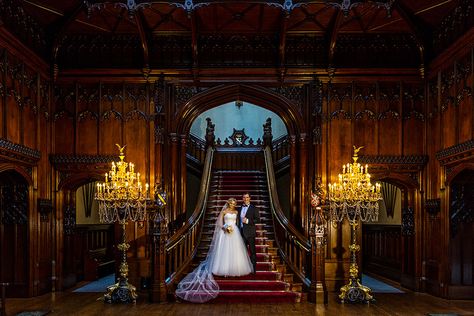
271	283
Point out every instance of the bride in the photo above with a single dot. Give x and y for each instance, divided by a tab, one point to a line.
227	256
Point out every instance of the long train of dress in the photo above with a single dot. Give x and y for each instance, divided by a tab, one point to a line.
227	256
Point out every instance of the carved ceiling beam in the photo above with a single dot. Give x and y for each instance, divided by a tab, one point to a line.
144	42
332	33
62	26
416	28
282	43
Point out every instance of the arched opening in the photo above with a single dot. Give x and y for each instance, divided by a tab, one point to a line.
238	125
14	241
461	227
241	116
389	245
83	235
290	121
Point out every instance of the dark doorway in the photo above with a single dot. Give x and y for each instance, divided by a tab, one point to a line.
461	212
14	233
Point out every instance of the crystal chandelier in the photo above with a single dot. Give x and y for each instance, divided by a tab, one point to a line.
354	197
122	198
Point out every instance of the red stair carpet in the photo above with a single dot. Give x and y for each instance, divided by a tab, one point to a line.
271	283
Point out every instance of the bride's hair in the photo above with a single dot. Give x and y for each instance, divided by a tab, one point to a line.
229	201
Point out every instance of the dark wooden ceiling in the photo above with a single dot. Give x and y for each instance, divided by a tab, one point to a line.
181	34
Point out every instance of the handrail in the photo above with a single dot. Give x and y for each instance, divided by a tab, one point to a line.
182	246
294	247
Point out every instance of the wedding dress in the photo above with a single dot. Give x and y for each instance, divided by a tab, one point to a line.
231	257
227	256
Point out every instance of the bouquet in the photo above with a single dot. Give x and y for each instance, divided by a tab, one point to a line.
228	228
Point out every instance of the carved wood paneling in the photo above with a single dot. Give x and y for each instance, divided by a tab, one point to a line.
453	25
382	252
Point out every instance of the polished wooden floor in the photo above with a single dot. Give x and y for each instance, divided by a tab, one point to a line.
68	303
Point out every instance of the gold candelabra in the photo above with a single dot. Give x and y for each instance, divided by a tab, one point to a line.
122	198
356	198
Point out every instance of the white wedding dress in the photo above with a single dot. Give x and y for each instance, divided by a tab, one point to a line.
230	257
227	256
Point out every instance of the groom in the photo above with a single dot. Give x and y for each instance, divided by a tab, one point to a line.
248	216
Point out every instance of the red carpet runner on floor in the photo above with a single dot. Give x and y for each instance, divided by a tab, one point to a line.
271	283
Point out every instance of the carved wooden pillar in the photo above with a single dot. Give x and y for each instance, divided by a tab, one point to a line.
160	235
293	163
318	291
182	180
173	194
158	155
303	171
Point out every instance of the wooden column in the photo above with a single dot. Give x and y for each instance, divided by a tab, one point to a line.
182	180
173	194
293	162
318	291
303	171
160	235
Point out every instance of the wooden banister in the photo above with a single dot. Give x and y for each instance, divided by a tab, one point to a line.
182	246
294	247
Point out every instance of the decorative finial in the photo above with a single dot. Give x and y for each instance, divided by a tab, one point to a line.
356	150
121	148
122	155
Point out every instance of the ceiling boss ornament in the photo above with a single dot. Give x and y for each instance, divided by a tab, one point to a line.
122	198
354	197
347	5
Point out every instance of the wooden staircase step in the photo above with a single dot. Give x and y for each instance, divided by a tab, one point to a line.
272	282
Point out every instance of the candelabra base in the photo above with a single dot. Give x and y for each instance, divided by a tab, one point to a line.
354	292
121	292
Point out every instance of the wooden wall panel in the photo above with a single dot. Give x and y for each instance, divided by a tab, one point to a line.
389	137
87	136
135	137
64	135
110	134
413	136
13	121
30	122
449	119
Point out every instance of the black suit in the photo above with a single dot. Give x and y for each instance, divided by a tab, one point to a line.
249	232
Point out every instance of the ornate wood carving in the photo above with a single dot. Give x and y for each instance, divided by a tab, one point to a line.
183	94
404	168
17	152
433	206
45	207
293	93
23	25
71	167
14	201
454	25
69	220
392	48
456	153
408	221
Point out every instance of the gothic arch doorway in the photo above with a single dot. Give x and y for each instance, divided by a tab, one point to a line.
259	96
389	245
461	228
14	211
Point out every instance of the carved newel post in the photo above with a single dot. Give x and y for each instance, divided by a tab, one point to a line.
318	291
210	137
267	133
159	225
